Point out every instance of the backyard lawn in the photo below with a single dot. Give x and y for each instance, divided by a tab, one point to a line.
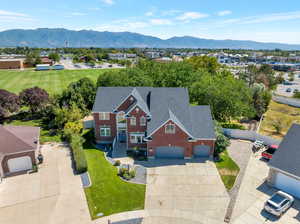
45	135
284	114
228	170
108	193
52	81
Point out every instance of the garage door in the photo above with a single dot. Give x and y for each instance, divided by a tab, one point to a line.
288	184
201	150
19	164
169	152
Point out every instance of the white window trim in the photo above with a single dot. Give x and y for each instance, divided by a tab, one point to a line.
169	132
107	131
131	121
144	122
136	136
105	116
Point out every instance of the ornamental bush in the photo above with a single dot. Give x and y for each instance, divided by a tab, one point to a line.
76	142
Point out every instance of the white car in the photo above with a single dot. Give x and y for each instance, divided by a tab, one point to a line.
279	203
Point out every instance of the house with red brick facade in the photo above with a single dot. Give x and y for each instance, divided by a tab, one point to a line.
160	120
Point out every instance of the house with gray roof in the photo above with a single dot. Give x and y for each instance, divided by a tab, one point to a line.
160	120
18	148
284	166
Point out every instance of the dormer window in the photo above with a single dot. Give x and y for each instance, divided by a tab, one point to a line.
133	121
142	121
170	129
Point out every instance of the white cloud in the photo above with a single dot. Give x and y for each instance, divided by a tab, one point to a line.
171	12
224	13
7	16
160	22
77	14
150	13
191	16
108	2
274	17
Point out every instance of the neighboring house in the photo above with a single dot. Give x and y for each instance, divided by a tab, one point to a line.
160	120
18	149
284	171
11	63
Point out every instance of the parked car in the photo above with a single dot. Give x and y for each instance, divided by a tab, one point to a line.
257	145
267	154
279	203
288	90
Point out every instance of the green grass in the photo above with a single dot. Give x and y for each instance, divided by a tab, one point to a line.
108	193
45	135
52	81
228	170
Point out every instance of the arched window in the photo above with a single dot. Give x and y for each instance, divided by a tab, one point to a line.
143	121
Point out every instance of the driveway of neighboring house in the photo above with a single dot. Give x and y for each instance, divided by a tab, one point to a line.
252	195
53	195
184	191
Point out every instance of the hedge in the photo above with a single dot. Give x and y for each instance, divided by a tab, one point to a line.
76	142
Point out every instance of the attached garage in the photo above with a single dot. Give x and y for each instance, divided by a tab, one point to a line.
287	184
165	152
19	164
201	151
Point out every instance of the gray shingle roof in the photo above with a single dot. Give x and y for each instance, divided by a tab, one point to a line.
163	104
287	157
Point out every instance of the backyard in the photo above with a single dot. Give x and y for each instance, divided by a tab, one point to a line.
108	193
279	114
228	169
52	81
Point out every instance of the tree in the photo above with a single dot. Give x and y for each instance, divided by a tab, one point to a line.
204	62
228	97
9	103
35	98
278	124
222	142
65	114
54	56
81	93
261	99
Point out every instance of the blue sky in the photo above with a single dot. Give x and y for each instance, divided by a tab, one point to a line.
260	20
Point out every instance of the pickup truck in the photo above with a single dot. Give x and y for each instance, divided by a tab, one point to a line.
267	154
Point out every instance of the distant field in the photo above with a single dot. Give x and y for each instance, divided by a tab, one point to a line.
52	81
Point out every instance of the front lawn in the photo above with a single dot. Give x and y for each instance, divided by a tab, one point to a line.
108	193
228	170
45	134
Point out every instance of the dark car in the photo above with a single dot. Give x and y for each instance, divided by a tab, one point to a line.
268	154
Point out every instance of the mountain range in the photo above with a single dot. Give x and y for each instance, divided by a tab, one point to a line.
52	38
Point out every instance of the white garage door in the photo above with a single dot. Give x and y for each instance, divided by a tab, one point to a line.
288	184
19	164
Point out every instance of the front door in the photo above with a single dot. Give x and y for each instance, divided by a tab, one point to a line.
122	136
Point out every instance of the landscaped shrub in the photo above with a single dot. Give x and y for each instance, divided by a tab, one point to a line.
78	153
117	163
126	173
233	126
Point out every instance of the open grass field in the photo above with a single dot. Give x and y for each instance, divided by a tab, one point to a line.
52	81
108	193
282	113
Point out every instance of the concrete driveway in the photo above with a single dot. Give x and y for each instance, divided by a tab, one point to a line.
252	195
53	195
184	191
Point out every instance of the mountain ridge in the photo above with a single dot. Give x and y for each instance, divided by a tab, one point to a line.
57	37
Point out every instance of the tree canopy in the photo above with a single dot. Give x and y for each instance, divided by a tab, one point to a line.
35	98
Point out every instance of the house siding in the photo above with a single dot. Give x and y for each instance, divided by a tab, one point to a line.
137	127
111	123
4	163
126	104
179	139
